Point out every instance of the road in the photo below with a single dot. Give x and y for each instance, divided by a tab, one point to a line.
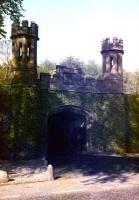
70	189
88	178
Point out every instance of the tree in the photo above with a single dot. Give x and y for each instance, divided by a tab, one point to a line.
129	81
11	8
72	62
5	50
92	69
6	72
137	82
47	67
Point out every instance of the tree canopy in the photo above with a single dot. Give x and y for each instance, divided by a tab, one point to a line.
92	69
46	67
72	62
11	8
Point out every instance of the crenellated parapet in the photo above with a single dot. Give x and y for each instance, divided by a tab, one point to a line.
24	29
115	44
71	79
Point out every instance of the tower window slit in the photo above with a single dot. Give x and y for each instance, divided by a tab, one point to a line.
111	63
28	52
20	51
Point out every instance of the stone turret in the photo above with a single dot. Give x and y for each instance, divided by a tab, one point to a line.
24	48
112	52
112	70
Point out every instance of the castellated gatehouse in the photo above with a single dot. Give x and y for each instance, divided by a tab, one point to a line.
73	124
77	114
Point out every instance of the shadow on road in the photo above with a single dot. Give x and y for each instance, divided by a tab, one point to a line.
100	168
95	168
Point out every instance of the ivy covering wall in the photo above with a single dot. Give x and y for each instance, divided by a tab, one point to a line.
20	135
19	122
23	120
116	124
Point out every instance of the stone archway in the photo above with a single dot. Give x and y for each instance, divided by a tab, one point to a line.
66	130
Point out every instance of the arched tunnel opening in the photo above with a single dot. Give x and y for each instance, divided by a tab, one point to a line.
66	133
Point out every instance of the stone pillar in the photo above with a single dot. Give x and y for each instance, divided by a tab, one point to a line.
3	176
50	173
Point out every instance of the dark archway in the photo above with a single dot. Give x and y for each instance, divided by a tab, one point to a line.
66	133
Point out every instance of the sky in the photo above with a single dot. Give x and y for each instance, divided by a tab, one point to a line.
77	27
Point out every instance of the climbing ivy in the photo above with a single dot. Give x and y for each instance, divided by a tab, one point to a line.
19	117
24	110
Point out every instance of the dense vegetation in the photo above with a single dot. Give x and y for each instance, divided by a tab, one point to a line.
19	116
23	111
117	125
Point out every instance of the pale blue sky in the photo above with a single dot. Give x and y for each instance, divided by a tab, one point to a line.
77	27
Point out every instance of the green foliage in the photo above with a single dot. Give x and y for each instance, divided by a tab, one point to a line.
137	82
24	110
130	81
121	151
72	62
11	8
134	122
47	67
107	130
92	69
4	120
19	114
5	72
133	110
25	118
20	131
109	112
116	123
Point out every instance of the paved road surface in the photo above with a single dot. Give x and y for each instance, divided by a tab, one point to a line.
43	190
87	178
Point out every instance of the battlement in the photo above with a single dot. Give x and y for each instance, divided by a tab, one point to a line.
115	44
72	79
24	29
